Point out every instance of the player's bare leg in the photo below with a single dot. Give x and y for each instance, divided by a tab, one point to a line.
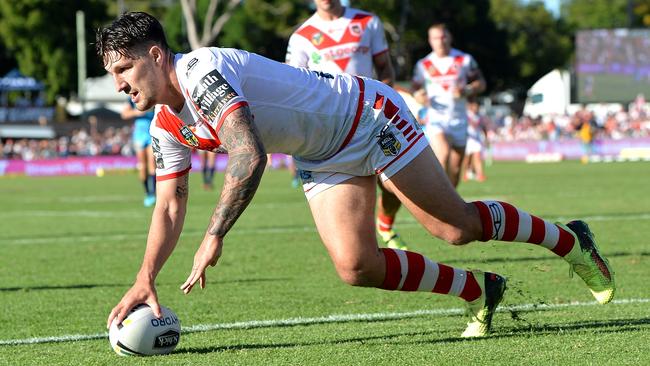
445	215
150	164
387	206
441	148
455	161
344	219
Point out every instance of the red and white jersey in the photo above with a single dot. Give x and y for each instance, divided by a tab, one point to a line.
296	111
346	44
440	77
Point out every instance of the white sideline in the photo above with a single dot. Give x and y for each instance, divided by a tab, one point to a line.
340	318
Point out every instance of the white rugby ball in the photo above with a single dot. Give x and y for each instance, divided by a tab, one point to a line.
142	334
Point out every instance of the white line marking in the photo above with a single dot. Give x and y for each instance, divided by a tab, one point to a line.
337	318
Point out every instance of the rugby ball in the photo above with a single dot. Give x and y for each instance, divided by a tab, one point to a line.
142	334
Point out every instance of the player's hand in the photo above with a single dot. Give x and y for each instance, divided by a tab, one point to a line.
142	292
458	92
207	255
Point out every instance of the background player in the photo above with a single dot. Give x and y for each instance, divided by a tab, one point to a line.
339	39
477	139
142	145
449	76
208	168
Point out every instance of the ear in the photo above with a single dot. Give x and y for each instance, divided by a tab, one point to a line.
157	54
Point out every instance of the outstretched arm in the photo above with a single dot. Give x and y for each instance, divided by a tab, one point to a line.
166	225
246	163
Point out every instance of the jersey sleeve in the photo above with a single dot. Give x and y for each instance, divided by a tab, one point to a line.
418	74
472	66
378	42
296	55
212	85
172	158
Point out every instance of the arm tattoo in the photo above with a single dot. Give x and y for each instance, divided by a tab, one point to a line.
246	163
182	187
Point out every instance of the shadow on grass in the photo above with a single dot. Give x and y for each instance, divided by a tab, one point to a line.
126	286
60	287
610	326
543	258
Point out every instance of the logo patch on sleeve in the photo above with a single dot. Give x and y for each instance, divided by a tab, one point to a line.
211	94
188	135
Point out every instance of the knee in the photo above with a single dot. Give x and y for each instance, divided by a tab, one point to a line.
355	274
457	236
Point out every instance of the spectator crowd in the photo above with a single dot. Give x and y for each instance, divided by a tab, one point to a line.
607	122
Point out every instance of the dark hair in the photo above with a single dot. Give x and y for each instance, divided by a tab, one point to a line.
130	35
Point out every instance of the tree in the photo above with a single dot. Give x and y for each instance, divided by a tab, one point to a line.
42	37
211	26
590	14
537	41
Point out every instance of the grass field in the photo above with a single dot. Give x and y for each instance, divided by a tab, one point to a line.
70	248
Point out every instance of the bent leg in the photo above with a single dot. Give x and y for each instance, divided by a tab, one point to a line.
343	216
425	190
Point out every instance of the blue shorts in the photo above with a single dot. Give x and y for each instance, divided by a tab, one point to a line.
141	136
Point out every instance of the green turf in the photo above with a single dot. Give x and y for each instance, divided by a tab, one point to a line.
70	248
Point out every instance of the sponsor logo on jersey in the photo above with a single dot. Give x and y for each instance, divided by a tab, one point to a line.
388	142
190	66
355	29
316	57
344	51
317	39
188	135
157	154
211	94
168	339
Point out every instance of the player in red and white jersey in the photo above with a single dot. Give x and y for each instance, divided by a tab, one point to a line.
338	39
449	76
343	131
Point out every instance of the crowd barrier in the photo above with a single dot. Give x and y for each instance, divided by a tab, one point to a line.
501	151
92	165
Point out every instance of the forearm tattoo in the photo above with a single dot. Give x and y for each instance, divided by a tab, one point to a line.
182	187
246	163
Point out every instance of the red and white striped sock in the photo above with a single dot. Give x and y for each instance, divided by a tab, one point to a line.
384	222
502	221
410	271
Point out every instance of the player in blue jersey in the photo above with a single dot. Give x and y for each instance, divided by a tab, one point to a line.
142	144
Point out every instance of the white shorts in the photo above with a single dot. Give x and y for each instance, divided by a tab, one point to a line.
386	139
473	146
455	131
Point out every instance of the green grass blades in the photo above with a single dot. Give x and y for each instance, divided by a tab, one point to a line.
71	246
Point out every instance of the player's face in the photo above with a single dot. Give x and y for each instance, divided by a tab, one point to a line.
135	77
440	41
327	5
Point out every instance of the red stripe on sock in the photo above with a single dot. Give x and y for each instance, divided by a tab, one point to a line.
512	222
565	243
393	270
538	230
472	289
385	222
415	272
486	219
445	279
